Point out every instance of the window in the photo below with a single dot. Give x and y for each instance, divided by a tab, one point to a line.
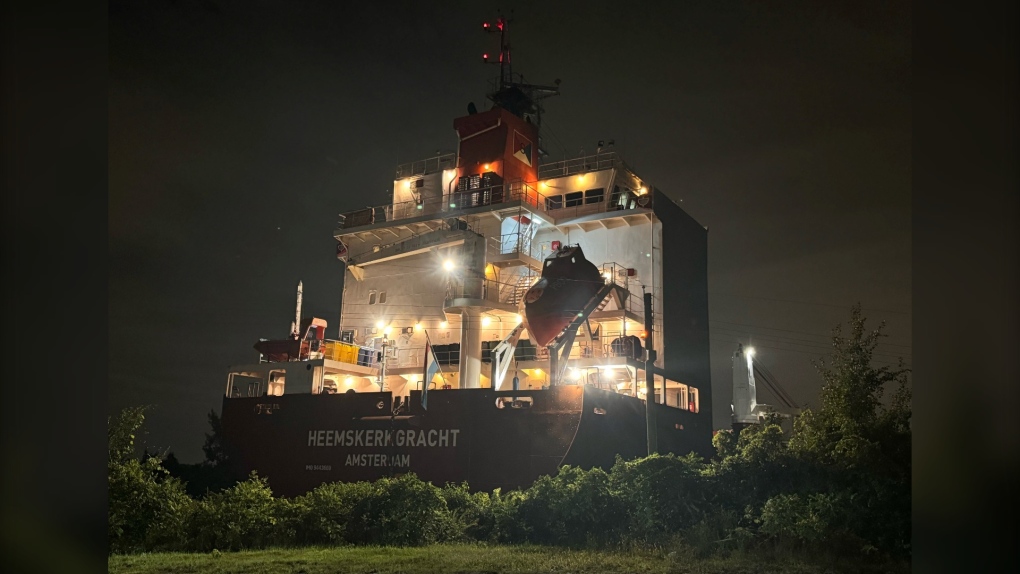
693	400
382	297
575	198
684	404
553	202
595	196
371	297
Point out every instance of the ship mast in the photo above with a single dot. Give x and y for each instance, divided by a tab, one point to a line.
517	97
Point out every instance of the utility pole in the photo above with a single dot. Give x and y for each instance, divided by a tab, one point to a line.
650	436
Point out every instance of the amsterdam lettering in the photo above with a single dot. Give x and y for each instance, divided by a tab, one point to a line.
376	438
378	460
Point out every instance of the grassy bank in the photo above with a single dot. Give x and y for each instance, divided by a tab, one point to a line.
465	558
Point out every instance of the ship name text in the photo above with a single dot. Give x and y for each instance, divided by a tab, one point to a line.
376	438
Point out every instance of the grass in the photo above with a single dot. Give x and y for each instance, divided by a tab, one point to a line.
464	559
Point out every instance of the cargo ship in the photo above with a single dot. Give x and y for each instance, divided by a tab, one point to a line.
502	315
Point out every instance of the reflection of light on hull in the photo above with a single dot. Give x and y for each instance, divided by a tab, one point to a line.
568	282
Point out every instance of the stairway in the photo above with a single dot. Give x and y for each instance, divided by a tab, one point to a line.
524	281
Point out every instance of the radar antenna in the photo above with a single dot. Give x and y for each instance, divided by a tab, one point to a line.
517	97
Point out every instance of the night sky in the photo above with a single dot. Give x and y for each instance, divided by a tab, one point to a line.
239	130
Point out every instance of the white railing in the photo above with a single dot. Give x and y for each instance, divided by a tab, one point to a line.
450	203
428	165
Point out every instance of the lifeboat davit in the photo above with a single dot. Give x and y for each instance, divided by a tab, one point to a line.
568	283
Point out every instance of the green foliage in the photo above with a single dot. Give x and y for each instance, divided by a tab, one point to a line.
238	518
853	428
718	534
471	515
215	454
402	511
147	509
800	519
725	443
663	494
573	508
328	509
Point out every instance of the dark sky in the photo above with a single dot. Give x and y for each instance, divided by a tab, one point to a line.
239	130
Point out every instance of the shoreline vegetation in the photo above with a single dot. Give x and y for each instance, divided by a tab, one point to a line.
833	495
481	558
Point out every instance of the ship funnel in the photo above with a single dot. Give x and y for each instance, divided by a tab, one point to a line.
297	310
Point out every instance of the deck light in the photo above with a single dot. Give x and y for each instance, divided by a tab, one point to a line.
518	318
349	381
379	324
387	330
486	321
444	325
417	326
448	265
750	351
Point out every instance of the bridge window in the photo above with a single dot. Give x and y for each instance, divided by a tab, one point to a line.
595	195
574	199
553	202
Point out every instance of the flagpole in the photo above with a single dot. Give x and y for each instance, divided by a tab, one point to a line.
428	343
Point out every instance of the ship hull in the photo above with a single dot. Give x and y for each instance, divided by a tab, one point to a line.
301	441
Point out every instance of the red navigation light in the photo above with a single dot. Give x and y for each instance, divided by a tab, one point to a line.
485	24
485	57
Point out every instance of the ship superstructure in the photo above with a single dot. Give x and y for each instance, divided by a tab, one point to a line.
527	279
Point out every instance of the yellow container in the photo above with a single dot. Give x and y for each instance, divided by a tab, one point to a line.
348	353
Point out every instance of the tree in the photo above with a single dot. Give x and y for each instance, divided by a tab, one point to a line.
853	427
147	509
215	454
859	444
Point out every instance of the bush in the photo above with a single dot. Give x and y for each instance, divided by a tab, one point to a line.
238	518
147	509
663	494
573	508
470	515
402	511
328	510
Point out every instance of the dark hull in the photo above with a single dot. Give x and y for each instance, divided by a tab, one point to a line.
568	283
301	441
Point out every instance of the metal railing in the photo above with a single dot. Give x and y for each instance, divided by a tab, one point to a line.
428	165
449	203
509	243
582	164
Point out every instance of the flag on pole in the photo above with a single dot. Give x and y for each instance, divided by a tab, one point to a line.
431	366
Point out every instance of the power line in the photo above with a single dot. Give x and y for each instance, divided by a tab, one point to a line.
814	354
810	344
807	303
827	336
